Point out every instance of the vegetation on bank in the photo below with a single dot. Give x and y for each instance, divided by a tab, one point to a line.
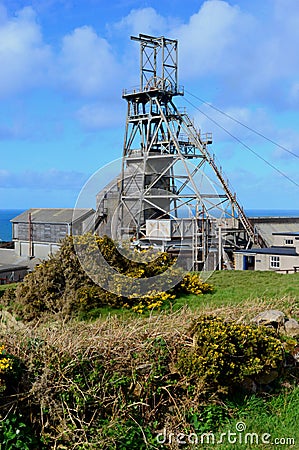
120	383
138	381
60	286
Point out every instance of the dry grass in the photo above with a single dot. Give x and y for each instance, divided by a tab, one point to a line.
78	374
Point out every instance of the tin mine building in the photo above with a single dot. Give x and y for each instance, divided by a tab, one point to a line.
170	193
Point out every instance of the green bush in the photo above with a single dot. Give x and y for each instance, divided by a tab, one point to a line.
61	286
225	354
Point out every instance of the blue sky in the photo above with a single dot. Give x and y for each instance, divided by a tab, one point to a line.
64	64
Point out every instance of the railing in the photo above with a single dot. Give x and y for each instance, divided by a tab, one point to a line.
174	90
295	269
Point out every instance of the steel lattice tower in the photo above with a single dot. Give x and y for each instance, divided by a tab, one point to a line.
170	189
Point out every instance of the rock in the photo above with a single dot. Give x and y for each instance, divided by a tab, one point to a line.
8	322
291	327
271	317
143	368
267	377
249	385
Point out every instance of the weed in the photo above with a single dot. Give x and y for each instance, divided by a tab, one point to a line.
16	434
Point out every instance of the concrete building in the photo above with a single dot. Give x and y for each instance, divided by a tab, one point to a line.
269	227
38	232
282	257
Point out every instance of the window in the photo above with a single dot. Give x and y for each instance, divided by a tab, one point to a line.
289	242
274	262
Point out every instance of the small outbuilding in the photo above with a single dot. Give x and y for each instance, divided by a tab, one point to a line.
10	273
38	232
282	257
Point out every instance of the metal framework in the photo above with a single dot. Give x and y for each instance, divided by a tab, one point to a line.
168	177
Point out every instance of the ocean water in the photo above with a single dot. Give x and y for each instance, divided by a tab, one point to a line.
272	212
5	225
7	214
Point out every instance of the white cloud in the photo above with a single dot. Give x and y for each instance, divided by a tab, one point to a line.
87	64
208	40
228	122
143	20
24	58
247	57
95	116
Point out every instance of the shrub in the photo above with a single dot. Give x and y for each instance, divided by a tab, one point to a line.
224	354
192	284
61	286
153	300
114	383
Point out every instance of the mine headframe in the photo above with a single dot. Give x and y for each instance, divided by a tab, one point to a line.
171	190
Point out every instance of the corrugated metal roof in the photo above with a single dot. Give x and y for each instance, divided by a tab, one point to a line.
54	215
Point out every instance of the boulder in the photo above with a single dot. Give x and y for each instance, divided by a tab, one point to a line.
291	327
272	317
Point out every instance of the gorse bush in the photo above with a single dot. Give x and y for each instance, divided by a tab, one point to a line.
224	354
192	284
60	286
153	300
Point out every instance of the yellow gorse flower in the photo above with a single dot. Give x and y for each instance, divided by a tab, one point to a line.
5	361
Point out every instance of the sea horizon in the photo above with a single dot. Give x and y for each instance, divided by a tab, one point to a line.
7	214
5	225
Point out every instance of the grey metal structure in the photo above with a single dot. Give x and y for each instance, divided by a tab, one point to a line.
170	190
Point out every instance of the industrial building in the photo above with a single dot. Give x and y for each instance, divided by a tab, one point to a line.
37	232
282	257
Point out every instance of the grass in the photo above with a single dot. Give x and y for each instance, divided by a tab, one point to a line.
124	346
3	287
241	295
277	416
273	419
234	291
237	287
240	285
